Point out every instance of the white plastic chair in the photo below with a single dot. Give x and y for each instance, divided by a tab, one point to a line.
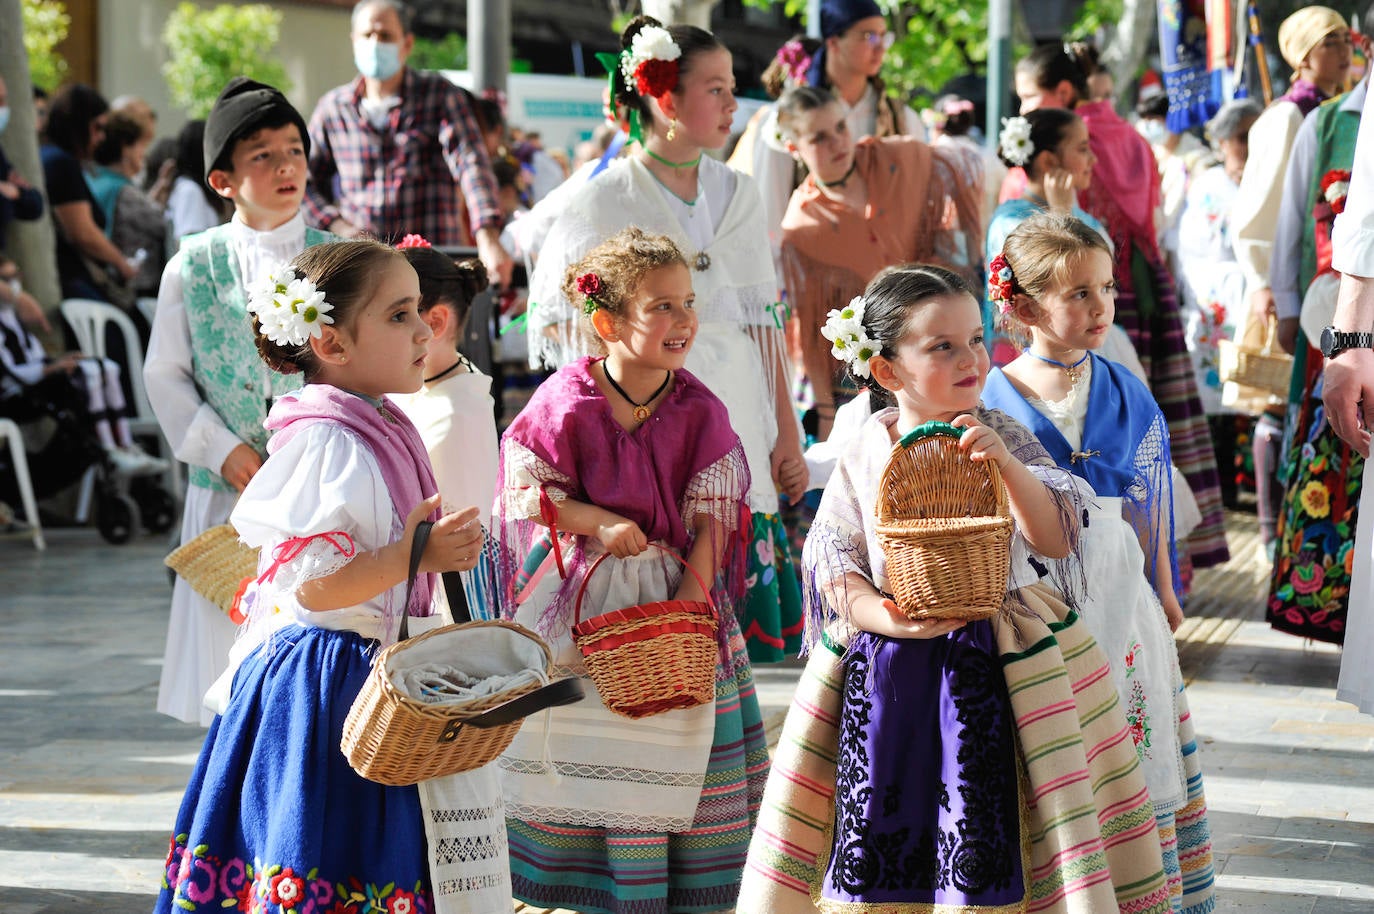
88	320
10	432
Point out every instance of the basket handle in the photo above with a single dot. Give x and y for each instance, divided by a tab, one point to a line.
936	429
556	694
417	549
929	430
577	605
1271	332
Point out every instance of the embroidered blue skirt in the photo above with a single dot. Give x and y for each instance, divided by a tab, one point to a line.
927	809
273	818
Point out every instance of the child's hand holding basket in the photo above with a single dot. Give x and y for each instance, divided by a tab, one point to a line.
944	523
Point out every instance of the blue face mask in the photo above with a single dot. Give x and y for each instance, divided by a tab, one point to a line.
4	117
376	59
1154	131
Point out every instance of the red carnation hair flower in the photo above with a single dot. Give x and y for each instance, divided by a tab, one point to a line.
589	284
413	241
655	77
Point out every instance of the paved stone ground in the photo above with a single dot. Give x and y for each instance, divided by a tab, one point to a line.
91	775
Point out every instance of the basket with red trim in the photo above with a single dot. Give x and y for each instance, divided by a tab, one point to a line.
653	657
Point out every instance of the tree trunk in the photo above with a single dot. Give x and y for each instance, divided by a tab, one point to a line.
32	245
1125	52
679	12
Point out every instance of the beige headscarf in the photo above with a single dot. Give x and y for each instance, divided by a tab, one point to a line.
1305	29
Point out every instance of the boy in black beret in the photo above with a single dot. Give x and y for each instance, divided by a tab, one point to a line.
205	382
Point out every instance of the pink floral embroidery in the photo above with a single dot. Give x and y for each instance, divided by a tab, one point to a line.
1137	714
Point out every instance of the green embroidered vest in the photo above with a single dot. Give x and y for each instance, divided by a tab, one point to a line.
228	371
1336	132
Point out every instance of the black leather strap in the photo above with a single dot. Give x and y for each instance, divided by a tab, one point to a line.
555	694
417	549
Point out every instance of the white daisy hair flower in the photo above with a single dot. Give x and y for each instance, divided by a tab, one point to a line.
1015	141
849	341
289	309
863	349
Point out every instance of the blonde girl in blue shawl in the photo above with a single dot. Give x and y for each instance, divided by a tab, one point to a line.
1053	282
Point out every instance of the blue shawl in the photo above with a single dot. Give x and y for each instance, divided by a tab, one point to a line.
1125	449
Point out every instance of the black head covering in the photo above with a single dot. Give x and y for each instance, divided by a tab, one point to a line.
241	110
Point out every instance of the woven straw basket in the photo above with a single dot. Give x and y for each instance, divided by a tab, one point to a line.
215	565
944	527
394	739
1267	368
653	657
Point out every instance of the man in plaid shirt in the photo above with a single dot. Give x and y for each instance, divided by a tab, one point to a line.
398	151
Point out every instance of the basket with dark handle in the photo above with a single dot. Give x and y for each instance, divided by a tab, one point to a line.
395	739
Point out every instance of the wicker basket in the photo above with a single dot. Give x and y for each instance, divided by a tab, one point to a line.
1267	368
653	657
394	739
216	565
944	527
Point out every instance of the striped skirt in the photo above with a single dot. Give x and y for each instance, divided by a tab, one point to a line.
1090	840
1184	835
606	871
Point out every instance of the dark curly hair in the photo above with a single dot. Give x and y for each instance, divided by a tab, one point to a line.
348	273
70	115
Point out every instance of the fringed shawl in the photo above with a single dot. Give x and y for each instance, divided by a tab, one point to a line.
1124	453
844	537
390	436
1125	190
739	287
684	461
920	210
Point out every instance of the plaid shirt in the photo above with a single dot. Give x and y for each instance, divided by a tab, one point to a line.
412	176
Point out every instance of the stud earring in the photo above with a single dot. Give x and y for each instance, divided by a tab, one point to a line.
672	130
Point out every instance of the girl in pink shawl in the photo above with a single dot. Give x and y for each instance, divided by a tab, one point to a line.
629	455
332	511
1124	195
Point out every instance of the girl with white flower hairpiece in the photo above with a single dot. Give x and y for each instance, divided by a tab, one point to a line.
678	84
1051	144
332	513
896	786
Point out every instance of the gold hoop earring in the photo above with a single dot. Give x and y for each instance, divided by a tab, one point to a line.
672	130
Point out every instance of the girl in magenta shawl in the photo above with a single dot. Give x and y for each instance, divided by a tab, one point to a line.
1123	196
332	512
629	457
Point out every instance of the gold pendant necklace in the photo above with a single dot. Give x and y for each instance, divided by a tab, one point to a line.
641	410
